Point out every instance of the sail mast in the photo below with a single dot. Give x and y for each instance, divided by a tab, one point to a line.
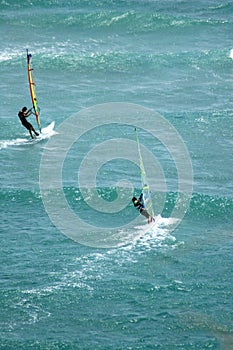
32	89
145	185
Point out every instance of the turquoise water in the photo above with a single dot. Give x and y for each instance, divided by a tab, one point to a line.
161	289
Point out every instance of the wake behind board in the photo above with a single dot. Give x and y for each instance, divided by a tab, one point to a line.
146	227
46	133
48	130
161	227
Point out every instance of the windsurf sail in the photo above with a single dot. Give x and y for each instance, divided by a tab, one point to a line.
33	90
147	200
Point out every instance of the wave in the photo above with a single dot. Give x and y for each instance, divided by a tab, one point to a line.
201	205
209	207
122	229
67	55
129	17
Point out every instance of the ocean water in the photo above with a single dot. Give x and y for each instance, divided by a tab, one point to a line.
75	276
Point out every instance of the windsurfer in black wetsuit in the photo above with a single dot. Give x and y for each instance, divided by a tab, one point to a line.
138	203
23	114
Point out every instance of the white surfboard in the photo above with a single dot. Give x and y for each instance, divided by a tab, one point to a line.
46	132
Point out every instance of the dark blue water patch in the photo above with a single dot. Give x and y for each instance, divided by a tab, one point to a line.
202	207
205	206
17	197
96	216
27	203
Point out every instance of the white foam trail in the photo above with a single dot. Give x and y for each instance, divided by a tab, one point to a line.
28	141
16	142
231	54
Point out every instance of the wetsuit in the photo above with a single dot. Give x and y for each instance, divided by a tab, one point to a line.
140	206
24	121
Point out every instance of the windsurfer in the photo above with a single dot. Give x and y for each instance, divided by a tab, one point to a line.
138	203
23	114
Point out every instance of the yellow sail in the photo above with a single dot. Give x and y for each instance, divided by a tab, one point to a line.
32	89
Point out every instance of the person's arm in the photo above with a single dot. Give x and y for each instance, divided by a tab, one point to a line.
29	112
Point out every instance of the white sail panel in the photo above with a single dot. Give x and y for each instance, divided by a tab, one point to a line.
145	185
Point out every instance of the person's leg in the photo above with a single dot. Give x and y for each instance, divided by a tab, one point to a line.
150	219
36	133
29	127
144	213
30	131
